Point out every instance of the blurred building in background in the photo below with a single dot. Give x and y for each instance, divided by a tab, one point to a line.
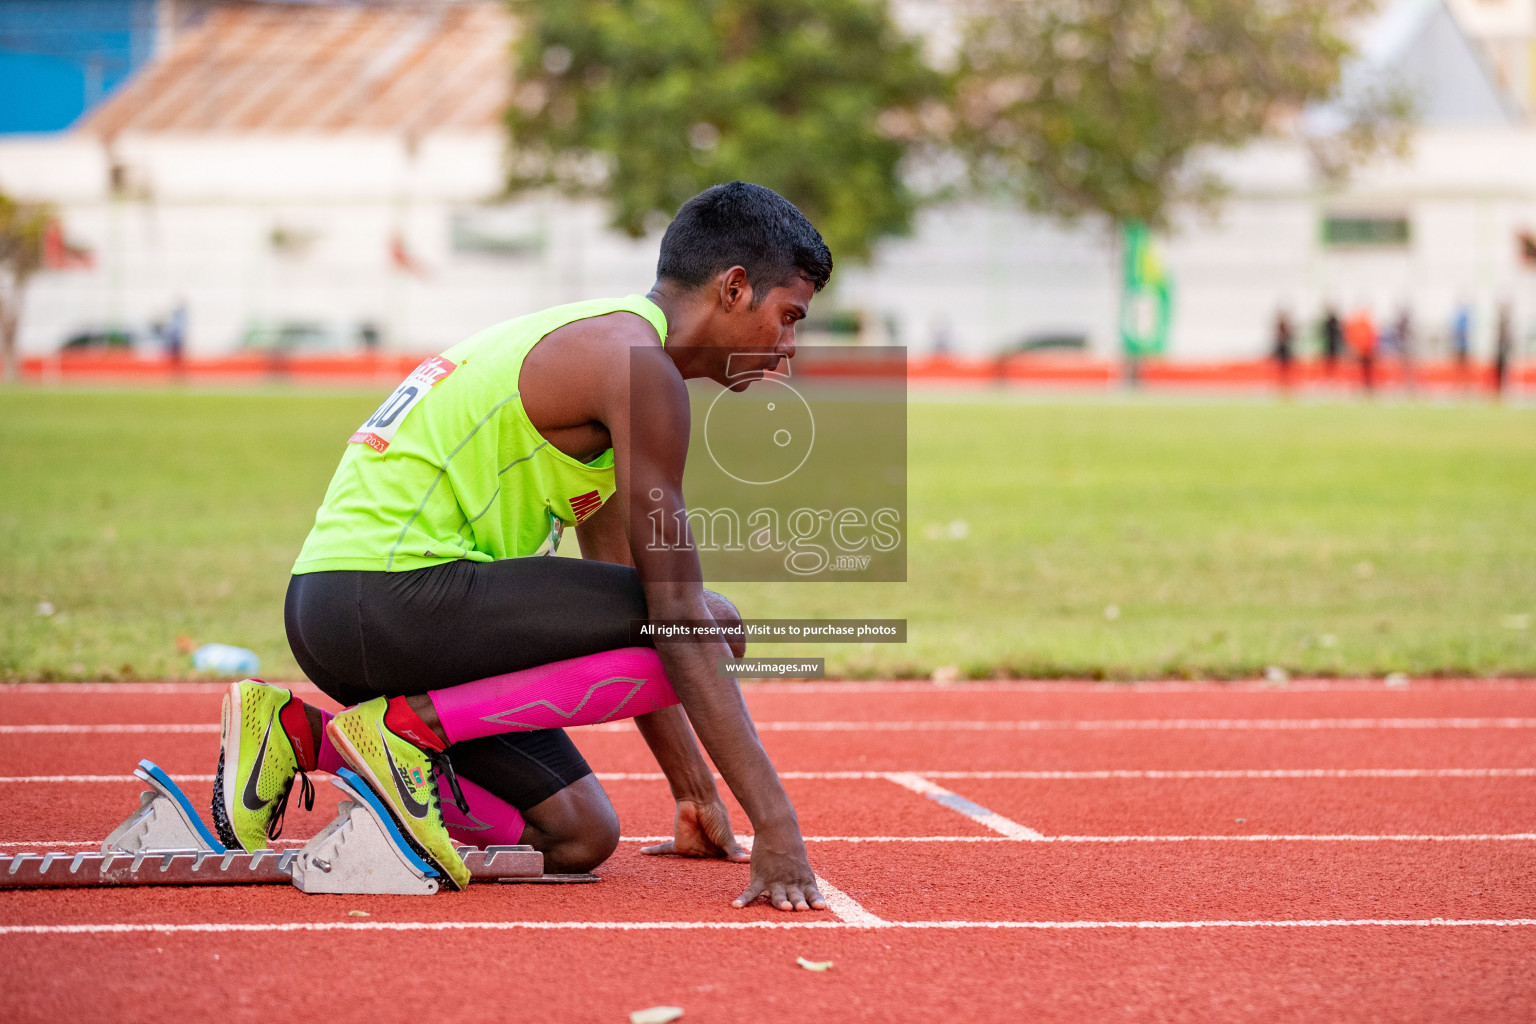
326	177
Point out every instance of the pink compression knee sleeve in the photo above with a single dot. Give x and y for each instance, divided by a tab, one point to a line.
579	691
491	821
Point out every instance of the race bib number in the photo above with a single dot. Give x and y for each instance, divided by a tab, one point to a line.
380	429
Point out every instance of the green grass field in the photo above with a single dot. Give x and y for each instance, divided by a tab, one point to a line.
1099	539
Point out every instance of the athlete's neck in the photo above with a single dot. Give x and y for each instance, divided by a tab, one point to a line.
689	312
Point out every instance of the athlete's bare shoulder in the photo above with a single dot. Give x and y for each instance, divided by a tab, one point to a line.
578	375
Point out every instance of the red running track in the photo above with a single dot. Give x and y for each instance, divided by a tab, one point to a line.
1332	850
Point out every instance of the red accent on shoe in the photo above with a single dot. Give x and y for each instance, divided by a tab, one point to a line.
404	722
296	724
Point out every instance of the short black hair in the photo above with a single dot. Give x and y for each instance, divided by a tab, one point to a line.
745	225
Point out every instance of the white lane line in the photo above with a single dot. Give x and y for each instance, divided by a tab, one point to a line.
1125	773
960	805
14	730
177	689
1025	776
1027	725
42	845
1246	686
846	907
179	777
1243	773
1152	724
910	686
1323	837
648	926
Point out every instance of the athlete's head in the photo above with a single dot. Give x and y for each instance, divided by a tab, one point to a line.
748	226
749	254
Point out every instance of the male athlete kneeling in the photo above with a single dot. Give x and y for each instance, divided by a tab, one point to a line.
419	602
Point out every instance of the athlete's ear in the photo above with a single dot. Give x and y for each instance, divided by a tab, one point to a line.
735	290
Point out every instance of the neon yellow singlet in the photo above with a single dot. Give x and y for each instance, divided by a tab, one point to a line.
449	467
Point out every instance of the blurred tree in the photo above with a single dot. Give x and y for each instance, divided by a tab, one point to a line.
1096	106
23	227
647	102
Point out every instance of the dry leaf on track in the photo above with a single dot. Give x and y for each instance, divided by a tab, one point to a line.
656	1015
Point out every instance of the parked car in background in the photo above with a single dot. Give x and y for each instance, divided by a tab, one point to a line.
104	339
296	337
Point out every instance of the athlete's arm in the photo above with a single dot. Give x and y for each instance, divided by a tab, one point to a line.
576	387
702	825
650	449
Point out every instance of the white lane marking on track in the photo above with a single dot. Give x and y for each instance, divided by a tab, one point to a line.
14	730
1127	773
1124	725
178	776
897	686
960	805
647	926
179	689
846	907
1324	837
1040	776
1023	725
40	845
1151	724
1244	773
1246	686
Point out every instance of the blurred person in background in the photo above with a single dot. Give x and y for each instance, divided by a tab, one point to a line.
173	335
1503	350
1461	341
369	336
1360	334
1401	336
1333	339
1284	350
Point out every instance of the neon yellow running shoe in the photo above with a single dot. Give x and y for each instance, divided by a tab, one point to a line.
401	774
257	764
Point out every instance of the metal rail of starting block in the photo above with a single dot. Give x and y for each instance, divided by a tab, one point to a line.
165	842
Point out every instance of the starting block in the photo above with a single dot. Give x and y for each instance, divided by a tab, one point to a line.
165	842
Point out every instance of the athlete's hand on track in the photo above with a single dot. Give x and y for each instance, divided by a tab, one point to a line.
782	872
702	829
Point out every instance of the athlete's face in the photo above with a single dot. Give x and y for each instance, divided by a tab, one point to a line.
760	333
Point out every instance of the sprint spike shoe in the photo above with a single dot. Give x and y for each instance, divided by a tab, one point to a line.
257	764
401	773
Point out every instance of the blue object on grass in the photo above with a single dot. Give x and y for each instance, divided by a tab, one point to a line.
226	660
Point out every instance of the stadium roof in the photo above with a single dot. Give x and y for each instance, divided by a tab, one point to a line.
278	67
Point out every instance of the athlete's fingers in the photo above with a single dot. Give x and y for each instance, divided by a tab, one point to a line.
752	892
726	845
778	898
660	849
797	898
814	895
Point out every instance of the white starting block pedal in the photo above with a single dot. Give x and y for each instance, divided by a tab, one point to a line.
165	842
165	819
362	851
